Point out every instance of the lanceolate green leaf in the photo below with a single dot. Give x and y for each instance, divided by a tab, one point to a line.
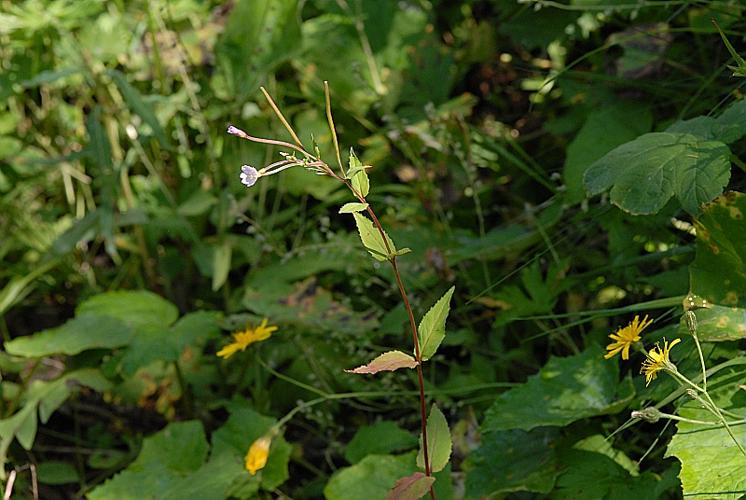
642	175
438	441
372	240
388	361
349	208
358	176
432	328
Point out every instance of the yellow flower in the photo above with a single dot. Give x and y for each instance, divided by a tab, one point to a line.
256	457
657	360
625	337
243	339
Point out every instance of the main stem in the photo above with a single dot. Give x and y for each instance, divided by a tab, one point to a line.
392	260
415	339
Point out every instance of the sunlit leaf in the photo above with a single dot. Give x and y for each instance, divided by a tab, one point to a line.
644	174
565	390
712	466
388	361
349	208
432	328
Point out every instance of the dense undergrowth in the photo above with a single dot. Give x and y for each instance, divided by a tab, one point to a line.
568	167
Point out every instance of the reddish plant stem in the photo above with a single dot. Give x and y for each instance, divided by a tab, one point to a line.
392	260
415	339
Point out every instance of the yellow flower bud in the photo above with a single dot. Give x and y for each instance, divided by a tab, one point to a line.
256	458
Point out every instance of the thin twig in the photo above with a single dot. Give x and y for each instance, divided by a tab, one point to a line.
281	117
332	128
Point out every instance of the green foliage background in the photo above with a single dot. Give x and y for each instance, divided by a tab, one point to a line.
565	165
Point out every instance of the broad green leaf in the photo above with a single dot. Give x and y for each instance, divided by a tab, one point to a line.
605	128
644	174
107	320
600	444
75	336
168	455
411	487
514	460
358	176
711	464
243	427
588	476
370	478
215	480
718	273
380	438
372	240
157	343
386	362
432	329
718	323
375	475
349	208
135	308
728	127
565	390
438	441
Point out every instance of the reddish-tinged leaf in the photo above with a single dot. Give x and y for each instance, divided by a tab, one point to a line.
387	362
411	487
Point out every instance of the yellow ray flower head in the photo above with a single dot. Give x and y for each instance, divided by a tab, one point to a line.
657	360
243	339
256	457
625	337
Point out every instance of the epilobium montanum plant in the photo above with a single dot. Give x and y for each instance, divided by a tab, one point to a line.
435	442
658	360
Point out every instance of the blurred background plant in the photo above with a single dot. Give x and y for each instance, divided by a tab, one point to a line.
488	124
